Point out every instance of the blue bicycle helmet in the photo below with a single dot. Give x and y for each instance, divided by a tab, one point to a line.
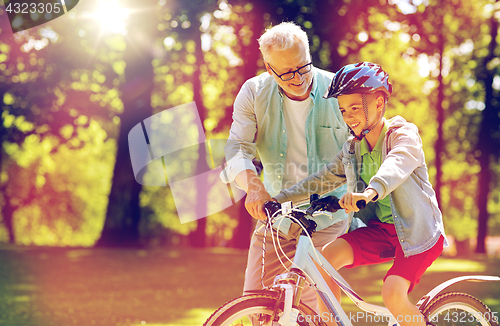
363	77
360	78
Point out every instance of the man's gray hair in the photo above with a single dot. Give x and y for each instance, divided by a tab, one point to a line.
282	37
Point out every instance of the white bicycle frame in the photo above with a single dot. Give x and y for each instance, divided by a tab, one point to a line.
303	261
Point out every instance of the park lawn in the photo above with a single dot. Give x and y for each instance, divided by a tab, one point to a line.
168	286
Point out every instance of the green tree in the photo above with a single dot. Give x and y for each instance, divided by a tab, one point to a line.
457	52
439	93
189	72
488	144
51	98
121	227
248	23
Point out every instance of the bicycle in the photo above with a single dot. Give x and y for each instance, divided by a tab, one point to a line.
280	304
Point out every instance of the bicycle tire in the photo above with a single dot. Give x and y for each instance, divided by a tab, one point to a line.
456	308
257	309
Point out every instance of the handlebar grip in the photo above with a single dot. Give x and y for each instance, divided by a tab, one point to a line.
271	206
333	205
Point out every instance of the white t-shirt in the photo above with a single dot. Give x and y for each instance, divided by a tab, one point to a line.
296	113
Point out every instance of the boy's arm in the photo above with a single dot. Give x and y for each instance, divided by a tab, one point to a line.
330	177
405	155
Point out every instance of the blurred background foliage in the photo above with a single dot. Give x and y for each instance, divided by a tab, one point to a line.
72	89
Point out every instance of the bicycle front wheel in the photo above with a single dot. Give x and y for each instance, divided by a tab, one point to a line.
258	309
455	308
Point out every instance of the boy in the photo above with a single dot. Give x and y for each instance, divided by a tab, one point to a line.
384	165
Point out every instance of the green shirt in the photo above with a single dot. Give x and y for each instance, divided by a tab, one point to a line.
371	163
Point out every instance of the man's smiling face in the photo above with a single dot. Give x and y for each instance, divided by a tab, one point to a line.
299	87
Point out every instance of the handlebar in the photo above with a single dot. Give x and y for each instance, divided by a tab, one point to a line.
309	225
328	203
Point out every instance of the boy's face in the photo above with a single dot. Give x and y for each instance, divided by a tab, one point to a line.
351	107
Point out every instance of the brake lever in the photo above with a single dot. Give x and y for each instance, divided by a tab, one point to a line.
316	204
323	213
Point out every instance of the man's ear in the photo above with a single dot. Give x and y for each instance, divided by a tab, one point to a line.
267	68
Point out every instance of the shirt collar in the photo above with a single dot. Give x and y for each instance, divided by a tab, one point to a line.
363	146
314	87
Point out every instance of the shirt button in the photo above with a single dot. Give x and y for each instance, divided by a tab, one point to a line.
279	177
281	154
402	240
284	130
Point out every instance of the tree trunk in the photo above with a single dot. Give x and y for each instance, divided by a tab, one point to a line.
7	214
7	210
121	227
243	230
251	53
482	201
463	248
439	145
251	56
198	238
123	213
489	125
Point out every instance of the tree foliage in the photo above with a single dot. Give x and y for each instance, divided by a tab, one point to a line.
57	106
71	92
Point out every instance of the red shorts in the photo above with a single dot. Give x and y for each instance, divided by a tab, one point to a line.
369	242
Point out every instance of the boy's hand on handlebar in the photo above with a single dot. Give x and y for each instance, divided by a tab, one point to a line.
350	199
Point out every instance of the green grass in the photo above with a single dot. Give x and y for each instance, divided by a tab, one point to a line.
168	286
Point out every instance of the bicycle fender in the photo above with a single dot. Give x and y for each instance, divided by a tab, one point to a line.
422	303
270	292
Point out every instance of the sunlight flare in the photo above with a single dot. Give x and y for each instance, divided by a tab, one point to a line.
112	17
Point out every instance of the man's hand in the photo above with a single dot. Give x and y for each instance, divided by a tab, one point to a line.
254	202
257	195
349	200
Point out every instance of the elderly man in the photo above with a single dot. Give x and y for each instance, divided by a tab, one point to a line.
281	117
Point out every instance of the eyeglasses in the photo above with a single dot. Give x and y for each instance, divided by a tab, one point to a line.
290	75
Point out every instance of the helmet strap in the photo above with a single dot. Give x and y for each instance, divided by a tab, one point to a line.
366	130
365	108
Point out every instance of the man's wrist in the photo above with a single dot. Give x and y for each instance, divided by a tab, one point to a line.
251	182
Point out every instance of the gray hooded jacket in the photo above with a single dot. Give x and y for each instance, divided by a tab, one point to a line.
402	176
